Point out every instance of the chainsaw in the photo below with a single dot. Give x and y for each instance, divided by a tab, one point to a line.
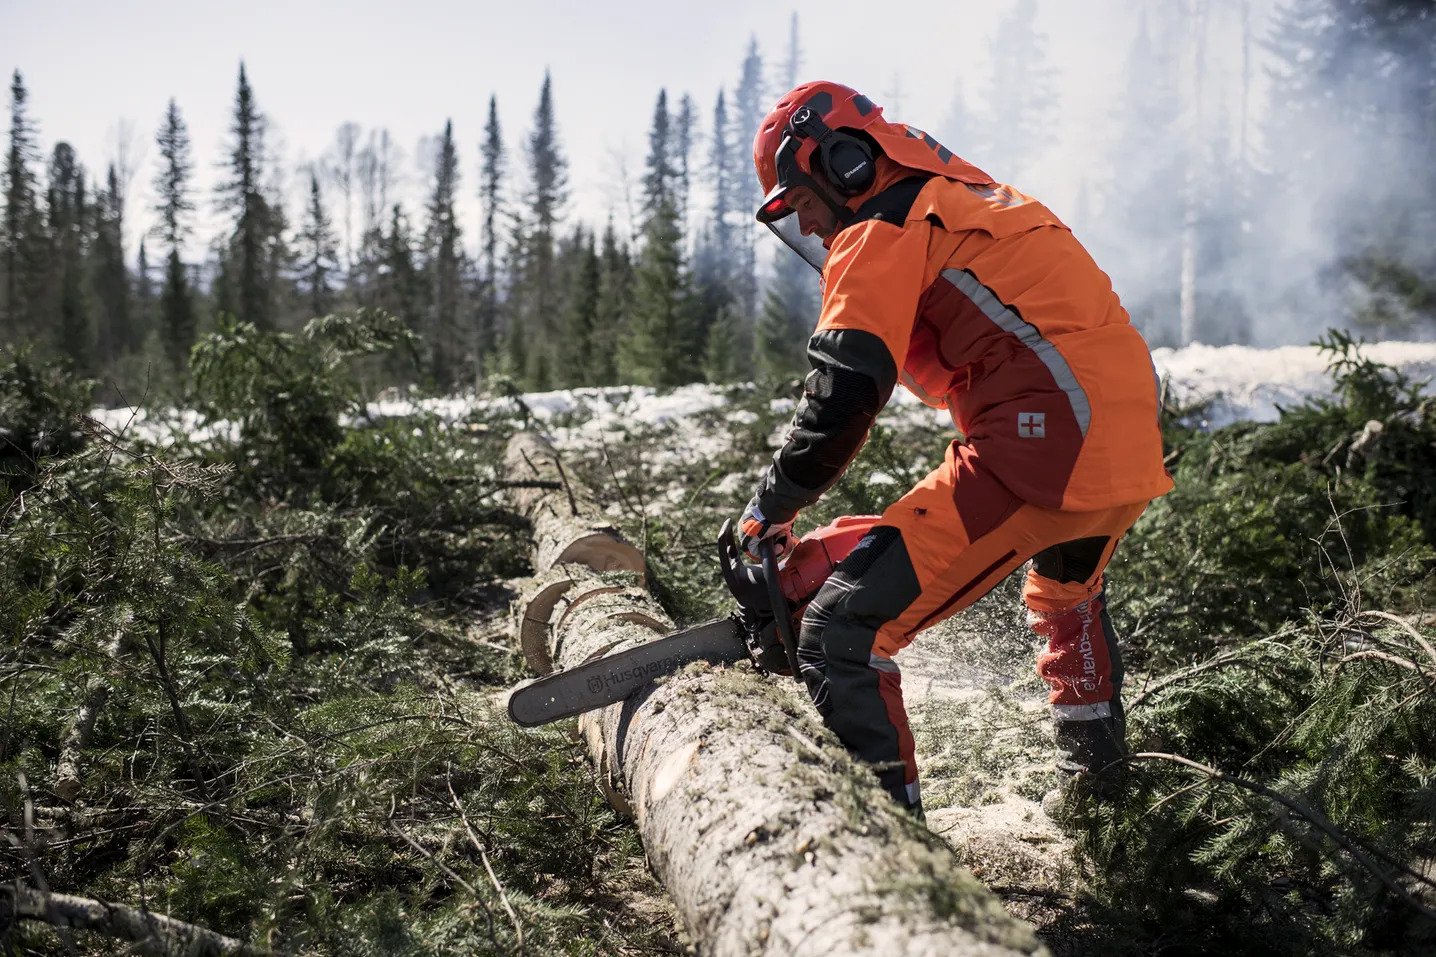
771	600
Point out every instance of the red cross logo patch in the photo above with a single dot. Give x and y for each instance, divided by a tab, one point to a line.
1032	425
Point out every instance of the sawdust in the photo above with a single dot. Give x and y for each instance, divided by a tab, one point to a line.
980	721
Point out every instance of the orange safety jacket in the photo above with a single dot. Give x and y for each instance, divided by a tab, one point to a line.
978	299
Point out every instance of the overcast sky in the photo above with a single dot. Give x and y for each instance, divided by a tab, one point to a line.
95	69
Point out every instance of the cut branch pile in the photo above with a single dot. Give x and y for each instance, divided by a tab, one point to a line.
768	837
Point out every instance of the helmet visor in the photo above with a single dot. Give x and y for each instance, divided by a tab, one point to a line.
810	247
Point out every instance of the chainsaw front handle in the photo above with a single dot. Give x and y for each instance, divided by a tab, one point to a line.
780	605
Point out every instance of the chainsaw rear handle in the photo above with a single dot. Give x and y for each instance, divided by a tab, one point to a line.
780	604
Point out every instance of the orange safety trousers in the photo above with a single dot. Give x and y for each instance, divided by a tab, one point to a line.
938	549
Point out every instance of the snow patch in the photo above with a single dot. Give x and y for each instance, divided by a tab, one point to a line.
1242	382
1250	384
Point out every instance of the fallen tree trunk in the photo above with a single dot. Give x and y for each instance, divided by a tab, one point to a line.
568	524
147	932
768	837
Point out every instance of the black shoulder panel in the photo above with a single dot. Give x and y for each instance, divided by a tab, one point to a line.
893	203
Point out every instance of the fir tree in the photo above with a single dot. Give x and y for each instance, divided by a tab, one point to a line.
22	241
659	171
177	321
536	290
443	265
615	289
790	309
399	289
685	124
714	260
66	294
725	173
108	276
658	346
247	289
794	62
318	251
491	176
143	315
579	341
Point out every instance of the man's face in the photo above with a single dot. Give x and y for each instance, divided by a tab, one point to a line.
814	215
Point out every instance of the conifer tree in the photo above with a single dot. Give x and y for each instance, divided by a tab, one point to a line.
142	318
659	171
22	239
658	346
517	308
319	252
66	297
721	360
248	277
579	341
177	322
372	166
615	287
685	124
177	319
724	173
399	290
491	176
794	63
443	265
536	290
713	262
108	276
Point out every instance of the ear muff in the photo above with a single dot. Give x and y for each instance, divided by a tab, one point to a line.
845	160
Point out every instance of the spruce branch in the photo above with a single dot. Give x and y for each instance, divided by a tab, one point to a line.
1353	847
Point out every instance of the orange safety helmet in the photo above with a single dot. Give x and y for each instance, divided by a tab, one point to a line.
832	128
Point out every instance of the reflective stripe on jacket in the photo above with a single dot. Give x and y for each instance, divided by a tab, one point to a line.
999	315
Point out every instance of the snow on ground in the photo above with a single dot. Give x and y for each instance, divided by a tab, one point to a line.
1250	384
1243	382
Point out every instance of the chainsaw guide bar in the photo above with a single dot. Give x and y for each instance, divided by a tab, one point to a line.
611	678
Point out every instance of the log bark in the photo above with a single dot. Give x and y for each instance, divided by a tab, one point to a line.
767	835
148	932
568	523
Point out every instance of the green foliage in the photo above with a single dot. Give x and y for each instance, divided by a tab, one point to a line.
240	680
1341	487
285	392
38	396
1284	800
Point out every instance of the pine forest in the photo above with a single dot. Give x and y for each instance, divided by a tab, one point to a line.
318	448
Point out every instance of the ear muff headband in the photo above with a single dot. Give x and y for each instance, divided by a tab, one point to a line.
845	160
791	175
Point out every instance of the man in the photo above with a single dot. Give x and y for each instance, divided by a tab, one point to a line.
979	300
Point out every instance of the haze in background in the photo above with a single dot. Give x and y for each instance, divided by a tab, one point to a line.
1143	123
